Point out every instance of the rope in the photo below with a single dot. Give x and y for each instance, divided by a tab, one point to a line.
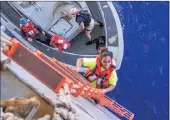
64	109
5	41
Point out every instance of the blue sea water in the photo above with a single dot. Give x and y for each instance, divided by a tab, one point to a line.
143	77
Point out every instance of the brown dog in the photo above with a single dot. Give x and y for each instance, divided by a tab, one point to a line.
20	107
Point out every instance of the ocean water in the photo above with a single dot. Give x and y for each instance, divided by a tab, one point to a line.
143	77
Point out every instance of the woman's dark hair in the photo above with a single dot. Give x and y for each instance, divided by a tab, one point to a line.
105	53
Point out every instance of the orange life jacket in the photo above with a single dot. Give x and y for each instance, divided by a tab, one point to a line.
30	30
103	75
60	42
